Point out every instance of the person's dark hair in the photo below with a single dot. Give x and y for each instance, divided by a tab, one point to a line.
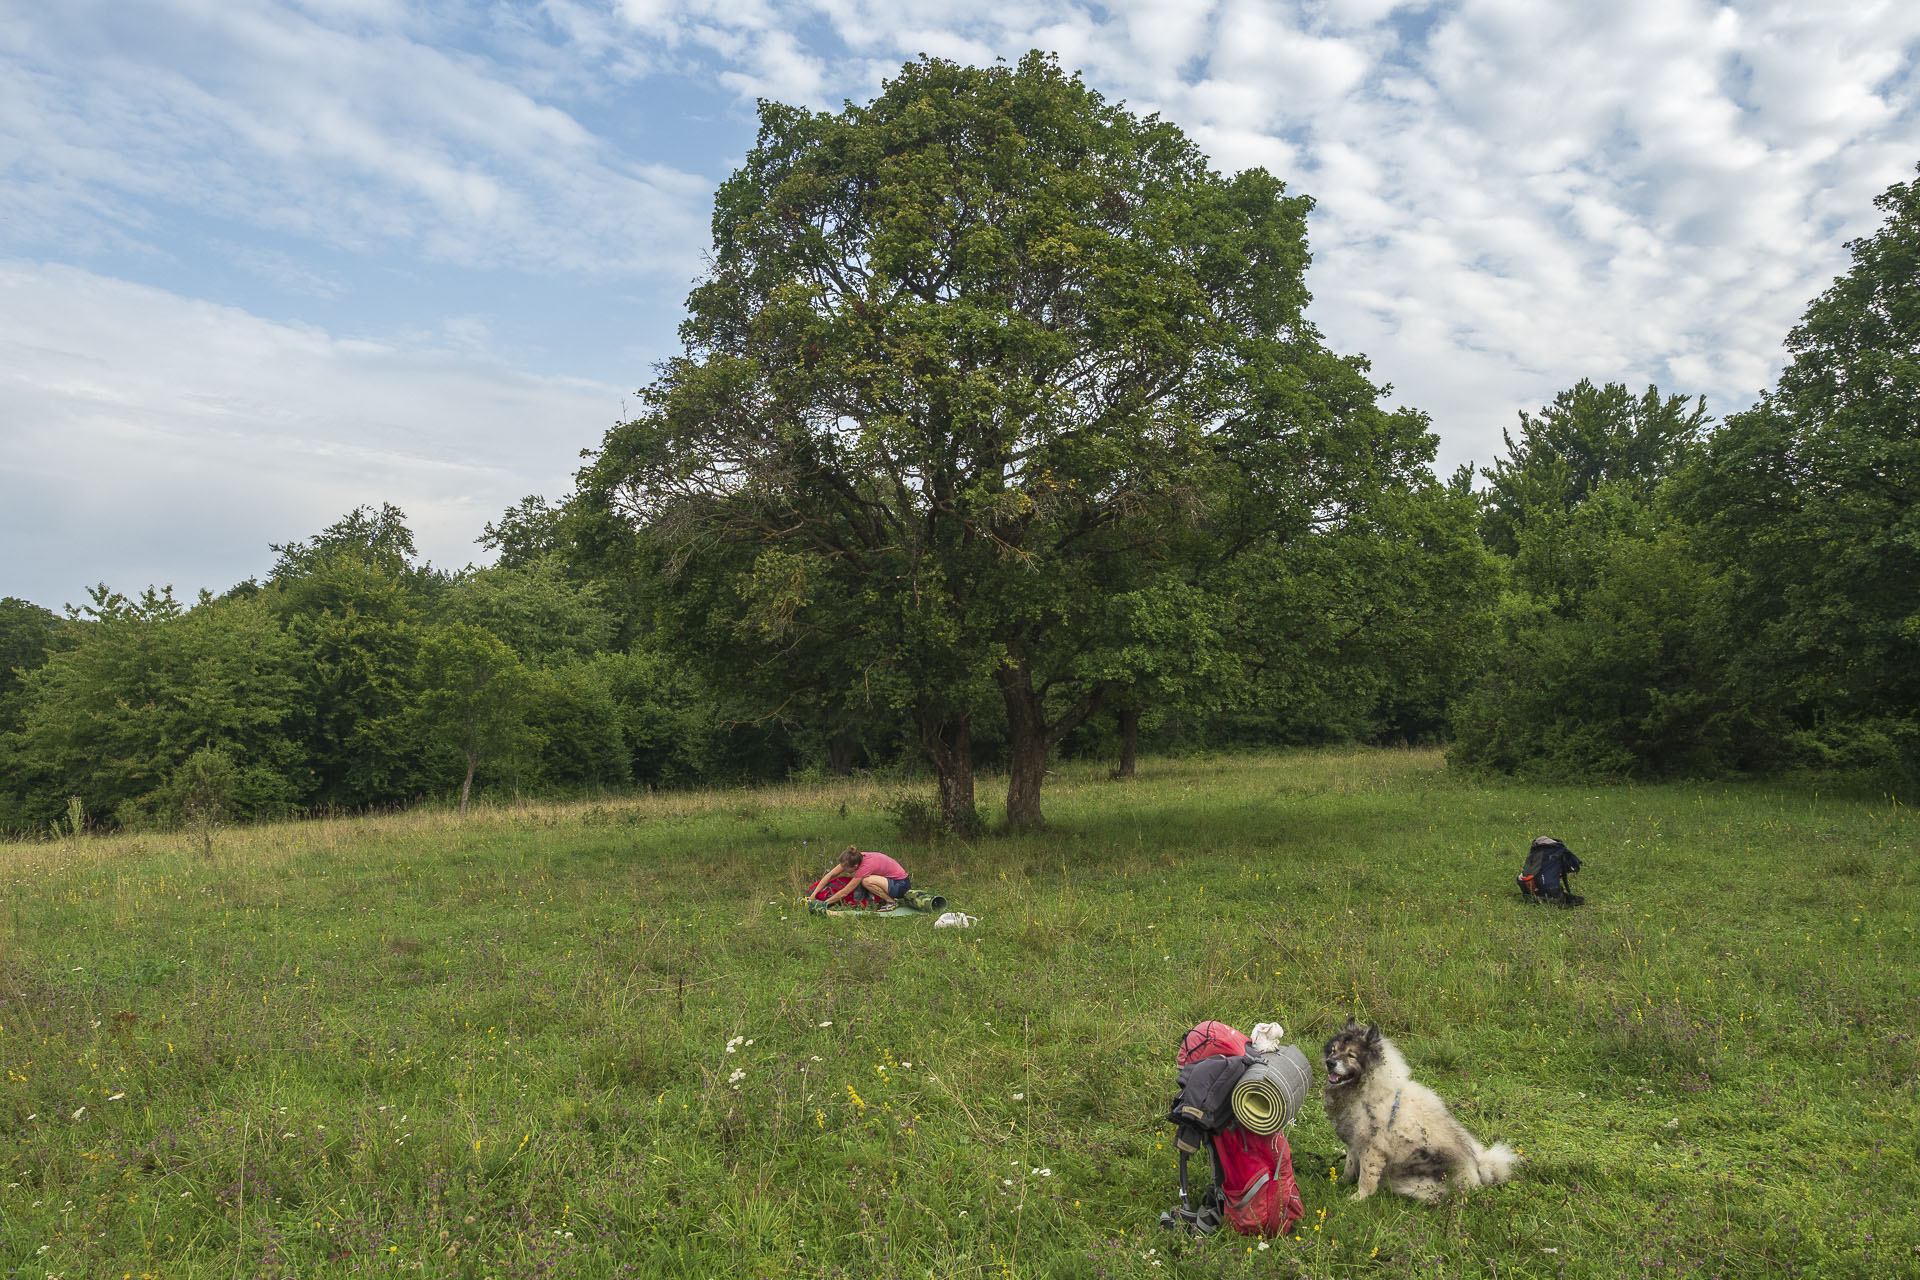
851	858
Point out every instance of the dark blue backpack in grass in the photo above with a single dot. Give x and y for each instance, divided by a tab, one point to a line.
1547	875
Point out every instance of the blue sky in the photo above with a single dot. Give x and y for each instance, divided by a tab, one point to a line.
261	263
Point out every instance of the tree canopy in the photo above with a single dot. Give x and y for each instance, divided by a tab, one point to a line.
1588	437
1807	503
970	359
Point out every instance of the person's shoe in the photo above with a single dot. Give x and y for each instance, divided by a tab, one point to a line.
887	906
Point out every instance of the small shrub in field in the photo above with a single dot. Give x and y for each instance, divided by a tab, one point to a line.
916	818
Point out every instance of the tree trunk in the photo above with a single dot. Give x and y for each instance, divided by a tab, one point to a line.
948	741
1027	728
841	750
1129	740
466	787
1032	737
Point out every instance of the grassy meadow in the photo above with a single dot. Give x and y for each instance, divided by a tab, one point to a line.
603	1039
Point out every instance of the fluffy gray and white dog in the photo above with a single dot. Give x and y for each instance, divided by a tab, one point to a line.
1399	1132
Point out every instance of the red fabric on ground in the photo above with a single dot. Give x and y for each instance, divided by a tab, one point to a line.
834	884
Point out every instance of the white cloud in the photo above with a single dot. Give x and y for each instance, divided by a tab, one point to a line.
155	439
350	135
1530	194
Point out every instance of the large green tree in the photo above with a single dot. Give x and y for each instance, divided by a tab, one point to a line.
968	358
356	624
1807	503
1602	659
1588	437
472	699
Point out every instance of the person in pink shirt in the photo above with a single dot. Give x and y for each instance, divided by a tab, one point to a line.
878	874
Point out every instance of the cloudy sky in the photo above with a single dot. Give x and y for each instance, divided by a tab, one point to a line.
261	263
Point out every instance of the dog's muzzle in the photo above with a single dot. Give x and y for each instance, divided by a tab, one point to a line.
1339	1073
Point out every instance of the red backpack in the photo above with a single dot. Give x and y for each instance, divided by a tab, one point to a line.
1253	1185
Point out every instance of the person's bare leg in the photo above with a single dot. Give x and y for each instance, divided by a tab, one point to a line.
877	886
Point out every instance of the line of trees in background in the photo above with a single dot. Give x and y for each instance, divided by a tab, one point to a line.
352	677
999	433
1686	601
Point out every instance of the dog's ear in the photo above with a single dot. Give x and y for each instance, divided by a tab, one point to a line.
1373	1033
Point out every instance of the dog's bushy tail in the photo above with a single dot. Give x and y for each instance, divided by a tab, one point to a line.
1496	1163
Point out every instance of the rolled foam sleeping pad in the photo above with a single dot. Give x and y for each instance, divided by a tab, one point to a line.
1272	1091
921	900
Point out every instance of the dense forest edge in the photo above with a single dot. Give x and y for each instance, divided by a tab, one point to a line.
999	436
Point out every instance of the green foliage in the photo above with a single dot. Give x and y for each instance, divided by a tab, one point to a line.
572	712
202	790
380	540
473	700
678	730
534	607
1616	674
528	532
28	634
1588	437
1368	627
142	686
1806	504
356	626
1606	658
973	359
916	818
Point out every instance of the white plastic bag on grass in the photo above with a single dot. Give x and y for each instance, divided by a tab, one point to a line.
956	920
